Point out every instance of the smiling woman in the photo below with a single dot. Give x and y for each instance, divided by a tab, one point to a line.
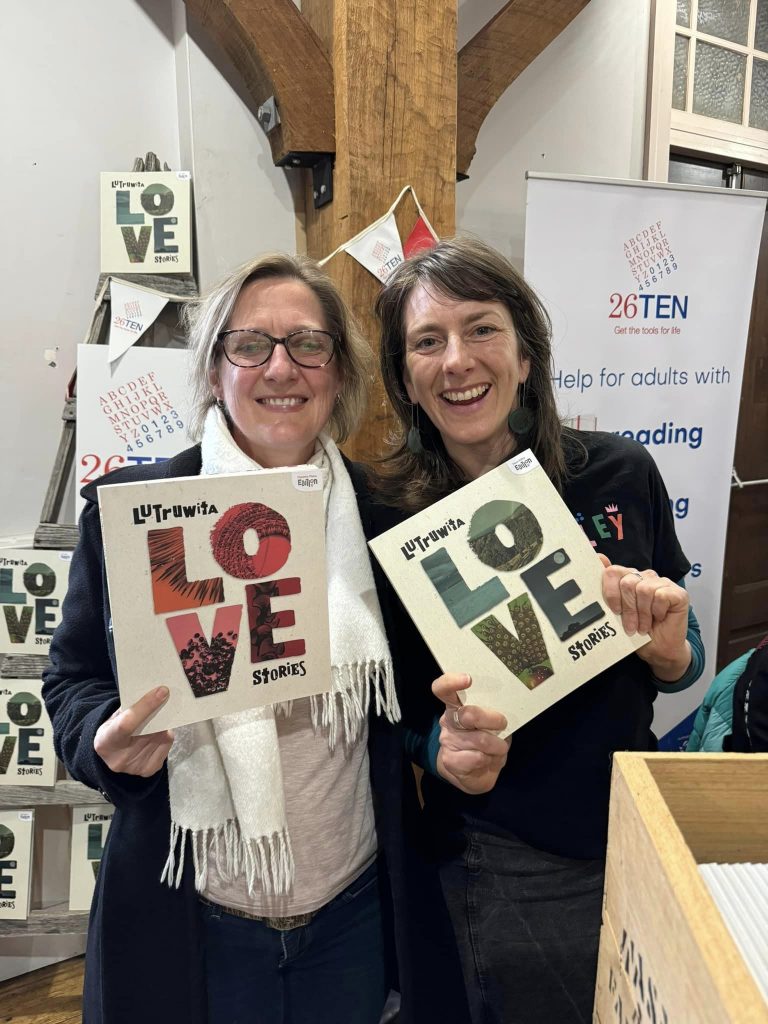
519	832
248	874
273	297
463	368
465	340
276	407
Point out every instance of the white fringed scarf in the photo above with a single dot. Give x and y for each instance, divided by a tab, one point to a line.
224	775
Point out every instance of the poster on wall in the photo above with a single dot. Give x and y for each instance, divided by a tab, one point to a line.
650	310
499	579
27	756
146	222
130	412
16	831
223	579
90	825
32	586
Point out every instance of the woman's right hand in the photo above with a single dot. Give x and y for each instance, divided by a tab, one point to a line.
121	751
471	755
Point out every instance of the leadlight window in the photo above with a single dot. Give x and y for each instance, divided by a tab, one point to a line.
721	62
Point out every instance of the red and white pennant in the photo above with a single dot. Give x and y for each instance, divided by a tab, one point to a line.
379	247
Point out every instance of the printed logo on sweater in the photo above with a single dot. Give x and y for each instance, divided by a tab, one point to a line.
607	524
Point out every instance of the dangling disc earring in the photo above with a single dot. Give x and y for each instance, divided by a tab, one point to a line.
413	441
521	420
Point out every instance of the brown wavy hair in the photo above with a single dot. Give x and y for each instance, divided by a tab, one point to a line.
464	268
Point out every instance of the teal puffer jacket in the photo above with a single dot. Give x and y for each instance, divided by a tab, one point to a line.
715	716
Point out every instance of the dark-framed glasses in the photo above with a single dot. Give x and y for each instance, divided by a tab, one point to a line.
247	347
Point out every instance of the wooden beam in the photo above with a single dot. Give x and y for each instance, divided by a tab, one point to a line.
493	59
394	65
276	53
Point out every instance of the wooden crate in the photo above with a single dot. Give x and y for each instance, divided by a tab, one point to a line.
666	955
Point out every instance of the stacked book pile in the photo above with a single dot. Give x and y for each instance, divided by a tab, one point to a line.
741	894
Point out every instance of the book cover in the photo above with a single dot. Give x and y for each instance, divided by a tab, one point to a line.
27	757
130	412
90	826
15	864
503	584
146	222
33	583
217	587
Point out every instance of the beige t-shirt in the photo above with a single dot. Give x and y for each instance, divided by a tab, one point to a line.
330	821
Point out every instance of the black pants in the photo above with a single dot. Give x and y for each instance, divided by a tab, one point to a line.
527	924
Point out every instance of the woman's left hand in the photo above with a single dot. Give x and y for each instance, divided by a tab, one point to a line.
652	604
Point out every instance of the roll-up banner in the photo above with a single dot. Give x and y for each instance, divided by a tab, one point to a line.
649	288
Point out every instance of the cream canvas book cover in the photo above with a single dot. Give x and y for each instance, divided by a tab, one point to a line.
27	757
503	584
90	826
217	587
33	583
15	864
146	222
131	412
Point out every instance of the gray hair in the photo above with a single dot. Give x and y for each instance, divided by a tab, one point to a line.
205	318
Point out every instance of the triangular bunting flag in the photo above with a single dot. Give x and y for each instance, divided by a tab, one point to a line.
133	311
379	249
421	237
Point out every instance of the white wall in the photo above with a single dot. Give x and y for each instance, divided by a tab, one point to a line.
87	86
244	204
579	108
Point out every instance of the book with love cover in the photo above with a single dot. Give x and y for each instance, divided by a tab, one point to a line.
16	832
503	584
27	757
33	583
217	588
146	222
90	825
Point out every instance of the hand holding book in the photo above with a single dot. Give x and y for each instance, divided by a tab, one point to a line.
500	576
222	579
121	751
471	755
652	604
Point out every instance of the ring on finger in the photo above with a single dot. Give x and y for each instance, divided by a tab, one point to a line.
634	572
457	720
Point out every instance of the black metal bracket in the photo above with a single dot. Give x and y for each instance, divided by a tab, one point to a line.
321	165
322	181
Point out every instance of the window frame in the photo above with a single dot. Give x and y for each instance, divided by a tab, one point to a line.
682	130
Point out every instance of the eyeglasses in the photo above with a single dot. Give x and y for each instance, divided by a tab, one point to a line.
250	348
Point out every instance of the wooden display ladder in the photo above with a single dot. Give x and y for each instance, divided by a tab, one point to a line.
51	534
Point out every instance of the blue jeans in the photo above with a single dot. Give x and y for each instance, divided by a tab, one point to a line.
527	925
331	971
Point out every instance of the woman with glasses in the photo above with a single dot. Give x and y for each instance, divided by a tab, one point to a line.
279	375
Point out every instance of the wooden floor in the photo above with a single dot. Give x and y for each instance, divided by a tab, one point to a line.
51	995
